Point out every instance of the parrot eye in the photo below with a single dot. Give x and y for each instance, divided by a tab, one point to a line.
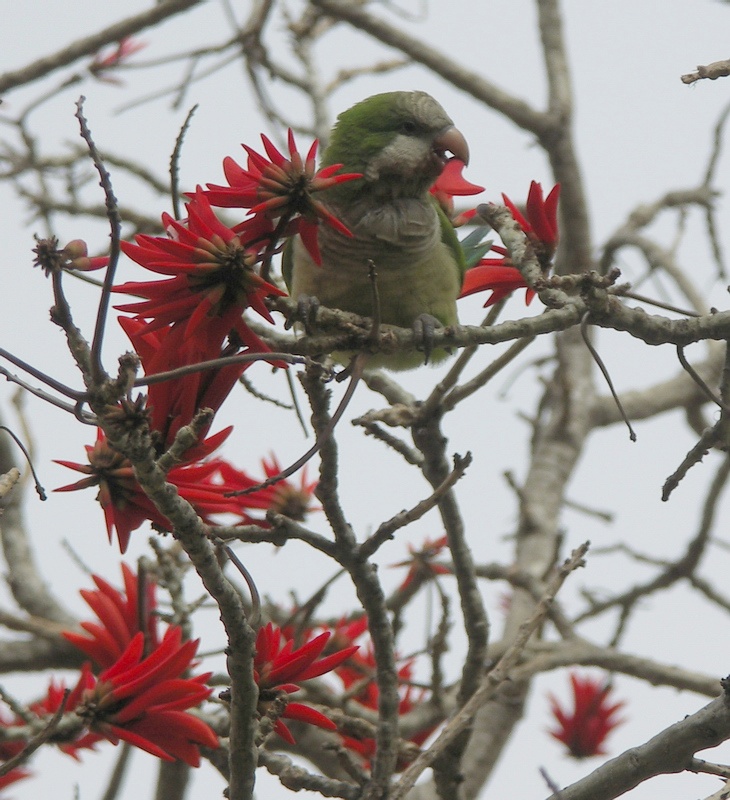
409	127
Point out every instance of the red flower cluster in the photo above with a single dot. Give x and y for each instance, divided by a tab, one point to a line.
194	314
14	775
194	317
353	666
540	225
420	564
141	695
43	709
278	664
102	65
144	700
283	497
358	677
281	188
205	484
120	619
124	503
584	728
213	278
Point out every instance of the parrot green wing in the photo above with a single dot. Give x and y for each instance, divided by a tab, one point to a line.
475	246
451	240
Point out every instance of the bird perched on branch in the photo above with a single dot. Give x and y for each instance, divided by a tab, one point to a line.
400	142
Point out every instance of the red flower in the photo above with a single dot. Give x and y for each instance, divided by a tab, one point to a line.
119	619
213	281
102	65
143	700
282	188
277	664
124	503
284	497
345	631
540	226
497	275
451	183
44	708
14	775
420	564
50	704
358	678
584	728
174	403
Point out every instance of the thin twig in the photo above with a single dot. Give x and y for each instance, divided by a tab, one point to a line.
71	408
599	362
689	369
554	788
255	615
387	529
642	298
175	163
40	491
38	740
116	779
705	443
254	392
216	363
91	44
465	390
115	225
61	388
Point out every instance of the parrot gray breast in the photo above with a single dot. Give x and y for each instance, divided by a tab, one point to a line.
403	229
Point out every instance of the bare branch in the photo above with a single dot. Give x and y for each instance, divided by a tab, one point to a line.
713	71
90	44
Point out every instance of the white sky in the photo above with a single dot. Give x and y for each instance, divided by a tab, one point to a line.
640	132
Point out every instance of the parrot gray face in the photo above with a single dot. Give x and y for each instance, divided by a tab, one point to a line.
400	141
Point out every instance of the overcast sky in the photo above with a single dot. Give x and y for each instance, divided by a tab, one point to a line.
640	132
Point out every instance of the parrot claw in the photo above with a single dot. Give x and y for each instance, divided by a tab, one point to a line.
424	327
306	313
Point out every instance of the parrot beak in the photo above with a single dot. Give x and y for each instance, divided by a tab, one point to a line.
451	140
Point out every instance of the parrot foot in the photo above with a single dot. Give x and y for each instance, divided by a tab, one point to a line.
424	328
306	313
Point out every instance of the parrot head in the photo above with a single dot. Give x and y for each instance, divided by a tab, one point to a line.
399	141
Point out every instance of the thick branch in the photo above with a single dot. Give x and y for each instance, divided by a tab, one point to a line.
28	586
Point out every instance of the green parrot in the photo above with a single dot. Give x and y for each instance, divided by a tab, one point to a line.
399	141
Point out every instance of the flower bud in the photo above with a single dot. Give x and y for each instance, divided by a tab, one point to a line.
75	249
76	254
